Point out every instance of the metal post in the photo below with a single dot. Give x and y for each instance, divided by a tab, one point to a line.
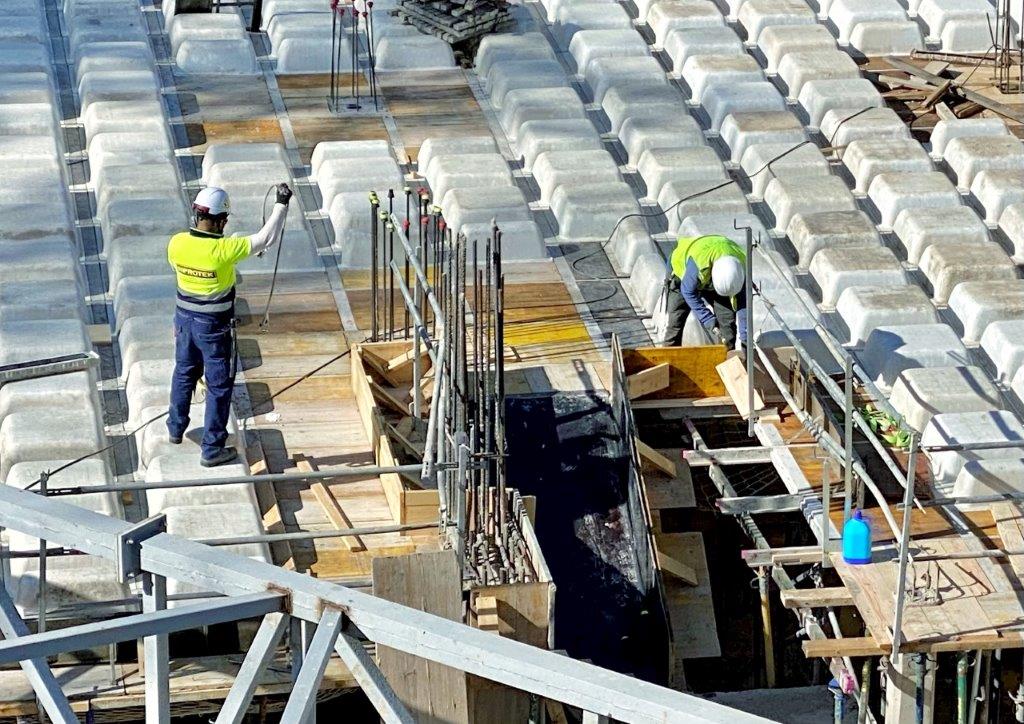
260	654
848	432
863	707
157	676
766	625
748	291
975	683
961	688
301	706
920	667
41	599
901	580
826	505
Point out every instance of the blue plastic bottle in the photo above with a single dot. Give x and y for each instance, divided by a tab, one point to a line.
857	540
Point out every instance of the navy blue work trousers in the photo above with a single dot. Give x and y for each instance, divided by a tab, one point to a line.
202	347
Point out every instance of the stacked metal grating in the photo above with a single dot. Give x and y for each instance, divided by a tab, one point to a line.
457	21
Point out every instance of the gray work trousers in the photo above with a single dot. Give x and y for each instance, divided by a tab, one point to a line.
679	310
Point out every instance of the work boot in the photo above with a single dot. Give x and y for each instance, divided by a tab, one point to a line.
222	456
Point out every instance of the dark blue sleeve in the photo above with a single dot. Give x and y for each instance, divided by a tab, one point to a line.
688	288
741	322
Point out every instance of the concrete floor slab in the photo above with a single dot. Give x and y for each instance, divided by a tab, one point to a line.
947	129
867	158
818	97
1003	342
848	14
668	15
893	193
54	433
27	340
123	117
798	162
843	126
947	263
889	350
469	206
415	52
726	200
758	15
865	309
223	57
508	76
839	268
659	166
967	157
146	337
683	43
886	37
978	304
964	428
166	468
606	73
621	103
589	44
536	137
539	104
920	393
813	194
640	134
137	296
799	67
722	100
919	228
583	168
995	190
528	46
777	41
703	72
780	129
590	212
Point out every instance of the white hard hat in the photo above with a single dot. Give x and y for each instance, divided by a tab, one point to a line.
212	201
727	276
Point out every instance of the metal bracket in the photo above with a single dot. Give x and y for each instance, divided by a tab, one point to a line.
129	545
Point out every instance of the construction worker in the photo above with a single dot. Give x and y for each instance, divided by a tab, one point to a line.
204	262
708	274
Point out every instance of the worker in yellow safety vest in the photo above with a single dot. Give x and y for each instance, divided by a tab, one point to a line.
204	262
708	278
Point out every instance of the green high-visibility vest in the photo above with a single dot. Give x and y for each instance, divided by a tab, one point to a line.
705	251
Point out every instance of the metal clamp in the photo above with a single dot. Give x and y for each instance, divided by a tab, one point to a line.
129	545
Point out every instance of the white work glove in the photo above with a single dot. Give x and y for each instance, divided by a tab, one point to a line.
714	334
739	344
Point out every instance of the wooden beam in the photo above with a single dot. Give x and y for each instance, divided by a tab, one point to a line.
788	556
677	568
656	458
648	381
816	597
330	505
829	648
1000	108
389	397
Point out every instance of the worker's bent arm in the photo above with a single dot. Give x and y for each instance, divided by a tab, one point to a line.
271	231
688	287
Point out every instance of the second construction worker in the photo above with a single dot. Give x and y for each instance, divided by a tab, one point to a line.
204	262
708	279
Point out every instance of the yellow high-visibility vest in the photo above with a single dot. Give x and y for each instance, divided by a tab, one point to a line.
204	264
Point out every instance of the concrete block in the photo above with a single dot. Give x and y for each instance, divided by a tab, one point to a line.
27	340
839	268
417	52
572	16
682	44
469	206
352	229
144	217
789	197
995	190
818	97
137	296
36	149
668	15
937	14
589	44
623	102
779	129
24	29
70	580
431	147
702	72
646	280
867	158
726	200
720	101
704	12
947	263
966	35
310	55
293	26
167	468
340	175
123	117
41	299
126	149
804	162
76	390
965	428
32	87
44	260
147	384
606	73
221	57
890	350
918	394
659	166
18	57
204	26
590	212
146	337
918	228
1011	223
893	193
493	48
247	178
117	85
508	76
886	37
219	153
467	171
629	242
978	304
26	119
948	129
152	440
139	181
848	14
779	40
48	434
758	15
988	477
967	157
799	67
539	104
85	474
132	256
520	240
536	137
580	168
35	222
725	225
867	308
640	134
275	8
1003	342
114	55
843	126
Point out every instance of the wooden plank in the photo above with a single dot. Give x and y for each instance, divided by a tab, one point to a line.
330	505
692	374
1008	517
428	582
816	597
648	381
660	461
734	377
677	568
831	648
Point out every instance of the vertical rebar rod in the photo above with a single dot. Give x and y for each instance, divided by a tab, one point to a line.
374	238
848	449
904	549
405	230
390	288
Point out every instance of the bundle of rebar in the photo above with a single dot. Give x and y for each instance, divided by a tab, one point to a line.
457	21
